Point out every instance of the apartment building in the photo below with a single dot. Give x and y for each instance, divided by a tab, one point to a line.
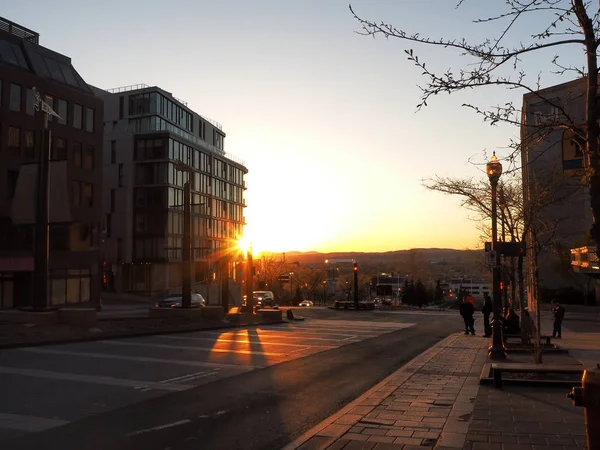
552	163
75	171
148	132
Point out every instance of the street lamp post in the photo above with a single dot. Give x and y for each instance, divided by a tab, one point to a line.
42	222
496	350
186	253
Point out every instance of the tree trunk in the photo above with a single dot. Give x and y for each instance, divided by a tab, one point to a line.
521	283
536	297
591	119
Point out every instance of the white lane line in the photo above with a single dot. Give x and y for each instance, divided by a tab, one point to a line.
192	376
111	381
240	341
29	423
160	427
146	359
197	349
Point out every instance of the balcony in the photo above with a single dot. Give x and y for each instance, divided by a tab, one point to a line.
585	261
19	31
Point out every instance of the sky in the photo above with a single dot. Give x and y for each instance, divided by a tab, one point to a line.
325	119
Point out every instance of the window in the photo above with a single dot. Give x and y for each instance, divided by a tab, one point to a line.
59	237
14	137
112	200
89	120
119	249
29	151
121	106
76	157
15	97
77	116
88	160
120	175
88	194
62	111
113	151
108	226
60	149
11	183
76	192
29	102
50	101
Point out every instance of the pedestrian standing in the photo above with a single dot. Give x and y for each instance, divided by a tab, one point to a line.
559	315
486	310
466	311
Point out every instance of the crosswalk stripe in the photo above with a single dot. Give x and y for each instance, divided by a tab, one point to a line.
28	423
198	349
240	341
112	381
146	359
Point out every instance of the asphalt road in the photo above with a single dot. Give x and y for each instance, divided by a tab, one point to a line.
255	388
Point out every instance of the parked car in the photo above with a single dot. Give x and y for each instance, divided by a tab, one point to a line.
306	303
176	301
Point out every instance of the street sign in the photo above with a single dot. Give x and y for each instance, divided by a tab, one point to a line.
491	258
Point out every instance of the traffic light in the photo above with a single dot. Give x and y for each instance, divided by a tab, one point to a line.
355	267
501	285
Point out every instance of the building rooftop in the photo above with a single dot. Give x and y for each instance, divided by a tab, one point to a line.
20	47
19	31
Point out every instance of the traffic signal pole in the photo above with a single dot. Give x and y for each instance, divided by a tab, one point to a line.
355	285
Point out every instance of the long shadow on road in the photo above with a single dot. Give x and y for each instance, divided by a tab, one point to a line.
262	409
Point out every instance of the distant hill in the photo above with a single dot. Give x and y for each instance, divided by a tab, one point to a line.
426	263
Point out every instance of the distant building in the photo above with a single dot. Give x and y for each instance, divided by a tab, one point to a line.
75	171
388	285
475	287
552	163
147	131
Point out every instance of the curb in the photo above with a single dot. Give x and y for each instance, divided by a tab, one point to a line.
296	443
132	334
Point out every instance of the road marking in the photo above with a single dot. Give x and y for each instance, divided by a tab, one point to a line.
192	376
160	427
242	341
138	358
197	349
111	381
29	423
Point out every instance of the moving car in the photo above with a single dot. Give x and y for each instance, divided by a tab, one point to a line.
306	303
176	300
263	299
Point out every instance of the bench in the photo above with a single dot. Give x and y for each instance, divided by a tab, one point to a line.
496	369
518	336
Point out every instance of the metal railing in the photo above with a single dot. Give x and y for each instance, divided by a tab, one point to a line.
131	87
19	31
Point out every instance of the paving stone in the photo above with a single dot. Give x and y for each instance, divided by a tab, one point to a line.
383	439
407	441
339	444
359	445
317	443
334	430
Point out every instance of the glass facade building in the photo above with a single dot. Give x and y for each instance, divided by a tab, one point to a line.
162	133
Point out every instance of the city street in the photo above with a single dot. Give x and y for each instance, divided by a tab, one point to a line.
257	387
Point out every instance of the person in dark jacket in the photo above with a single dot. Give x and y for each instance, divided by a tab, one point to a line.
559	315
486	310
466	311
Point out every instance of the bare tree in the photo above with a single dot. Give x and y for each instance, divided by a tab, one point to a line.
494	63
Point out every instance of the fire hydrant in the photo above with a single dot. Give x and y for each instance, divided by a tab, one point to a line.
588	396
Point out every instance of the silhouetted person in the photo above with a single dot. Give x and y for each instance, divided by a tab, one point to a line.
512	322
466	311
527	326
486	310
559	315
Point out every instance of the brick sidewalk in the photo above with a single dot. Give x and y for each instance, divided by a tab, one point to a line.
426	403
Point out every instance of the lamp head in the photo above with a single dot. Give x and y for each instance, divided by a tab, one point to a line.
493	168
